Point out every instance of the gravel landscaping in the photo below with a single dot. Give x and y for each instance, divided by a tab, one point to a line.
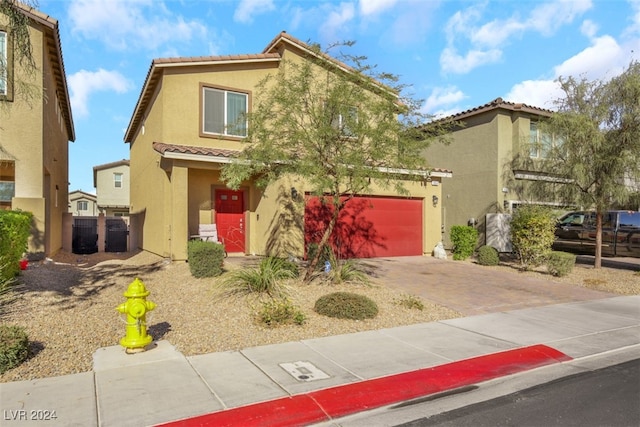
67	307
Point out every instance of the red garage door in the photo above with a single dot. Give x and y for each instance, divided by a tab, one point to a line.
369	226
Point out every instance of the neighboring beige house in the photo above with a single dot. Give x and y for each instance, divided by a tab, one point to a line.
34	137
111	181
177	151
481	153
82	203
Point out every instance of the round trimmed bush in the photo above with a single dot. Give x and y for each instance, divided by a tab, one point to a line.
488	255
14	347
346	305
560	263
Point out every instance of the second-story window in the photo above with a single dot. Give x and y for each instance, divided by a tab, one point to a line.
346	122
224	112
4	63
83	205
540	143
117	180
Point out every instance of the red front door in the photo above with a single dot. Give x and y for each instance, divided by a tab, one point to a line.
229	206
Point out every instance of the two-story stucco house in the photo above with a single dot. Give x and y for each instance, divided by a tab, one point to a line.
82	203
178	144
111	181
482	152
35	134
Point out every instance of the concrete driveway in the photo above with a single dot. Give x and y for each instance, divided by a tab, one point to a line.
473	289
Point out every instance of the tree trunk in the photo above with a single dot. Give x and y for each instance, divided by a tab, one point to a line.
598	258
324	241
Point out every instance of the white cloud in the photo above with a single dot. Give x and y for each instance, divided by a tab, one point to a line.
452	62
336	22
485	41
247	9
442	97
602	60
374	7
589	28
84	83
125	24
634	28
537	93
549	17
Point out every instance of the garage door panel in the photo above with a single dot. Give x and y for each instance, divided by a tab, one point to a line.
369	226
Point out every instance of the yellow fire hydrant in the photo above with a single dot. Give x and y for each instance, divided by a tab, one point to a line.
136	308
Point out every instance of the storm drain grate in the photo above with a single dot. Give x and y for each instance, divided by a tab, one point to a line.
304	371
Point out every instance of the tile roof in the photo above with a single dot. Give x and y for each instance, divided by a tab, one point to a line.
499	103
123	162
212	59
163	148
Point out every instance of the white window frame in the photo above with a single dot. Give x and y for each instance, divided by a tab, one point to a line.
227	128
82	205
117	180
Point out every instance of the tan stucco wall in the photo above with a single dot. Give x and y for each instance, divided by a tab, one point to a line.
36	135
149	183
107	193
480	157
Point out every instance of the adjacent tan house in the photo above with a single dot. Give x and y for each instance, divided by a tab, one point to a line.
82	203
35	135
179	142
482	153
111	181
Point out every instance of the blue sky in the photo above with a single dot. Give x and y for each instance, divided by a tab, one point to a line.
454	55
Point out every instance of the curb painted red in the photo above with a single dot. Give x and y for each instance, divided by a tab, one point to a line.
339	401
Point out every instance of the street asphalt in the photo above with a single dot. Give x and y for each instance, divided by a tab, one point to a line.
317	381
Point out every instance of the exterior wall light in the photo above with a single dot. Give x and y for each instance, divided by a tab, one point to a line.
435	201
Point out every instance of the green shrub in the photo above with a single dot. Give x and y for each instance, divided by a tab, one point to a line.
268	278
488	255
280	312
14	347
560	263
15	228
532	234
410	302
346	271
346	305
205	258
464	239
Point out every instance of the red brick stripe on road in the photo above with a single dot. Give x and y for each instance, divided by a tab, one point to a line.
335	402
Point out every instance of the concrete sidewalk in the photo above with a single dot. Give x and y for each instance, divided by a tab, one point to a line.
162	385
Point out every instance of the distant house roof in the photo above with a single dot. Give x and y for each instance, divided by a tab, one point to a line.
52	37
122	162
499	103
79	194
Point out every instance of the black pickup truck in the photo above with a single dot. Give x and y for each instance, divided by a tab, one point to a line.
576	231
